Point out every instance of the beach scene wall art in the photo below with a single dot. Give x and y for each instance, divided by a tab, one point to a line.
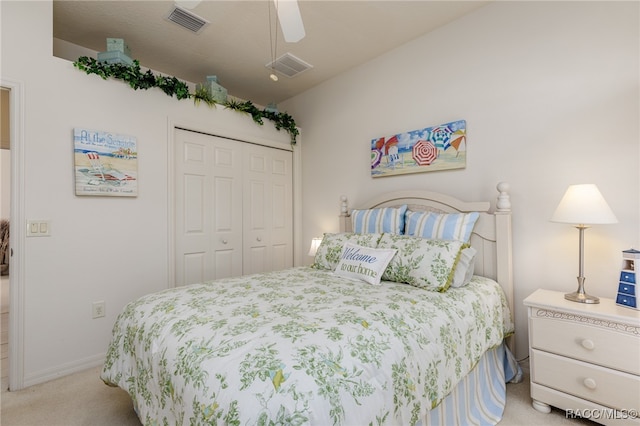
441	147
106	164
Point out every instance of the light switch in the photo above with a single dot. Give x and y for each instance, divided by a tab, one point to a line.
38	228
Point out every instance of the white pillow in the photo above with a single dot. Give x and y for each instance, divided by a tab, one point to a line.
464	269
363	263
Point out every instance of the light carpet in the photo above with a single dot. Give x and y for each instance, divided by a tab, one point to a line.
82	399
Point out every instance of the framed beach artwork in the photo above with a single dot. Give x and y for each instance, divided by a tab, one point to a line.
106	164
441	147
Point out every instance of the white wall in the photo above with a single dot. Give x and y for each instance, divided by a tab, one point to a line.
550	94
111	249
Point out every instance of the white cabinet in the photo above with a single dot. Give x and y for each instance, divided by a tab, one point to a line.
233	208
585	358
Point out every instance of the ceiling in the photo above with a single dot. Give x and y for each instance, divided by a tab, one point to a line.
242	36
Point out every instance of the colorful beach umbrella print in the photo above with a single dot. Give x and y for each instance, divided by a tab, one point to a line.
376	156
459	141
424	152
441	137
390	143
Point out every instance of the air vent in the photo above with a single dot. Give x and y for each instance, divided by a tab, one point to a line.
289	65
187	19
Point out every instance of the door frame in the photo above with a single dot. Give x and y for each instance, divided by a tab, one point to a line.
18	228
174	123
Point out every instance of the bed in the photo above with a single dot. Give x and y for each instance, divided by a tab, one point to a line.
418	338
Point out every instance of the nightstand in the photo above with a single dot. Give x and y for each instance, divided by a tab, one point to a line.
584	358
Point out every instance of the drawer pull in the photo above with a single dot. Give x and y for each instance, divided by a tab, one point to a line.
588	344
590	383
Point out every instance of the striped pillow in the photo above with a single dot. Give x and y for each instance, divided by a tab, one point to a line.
443	226
384	219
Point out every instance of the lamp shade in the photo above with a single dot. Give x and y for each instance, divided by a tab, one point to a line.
583	205
315	243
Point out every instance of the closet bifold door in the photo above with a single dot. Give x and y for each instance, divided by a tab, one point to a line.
267	209
208	207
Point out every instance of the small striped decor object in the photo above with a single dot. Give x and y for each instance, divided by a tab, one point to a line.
384	219
442	226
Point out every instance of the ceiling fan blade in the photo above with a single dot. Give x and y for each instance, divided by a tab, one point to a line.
290	20
188	4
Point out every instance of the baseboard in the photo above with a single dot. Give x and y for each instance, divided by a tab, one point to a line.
64	370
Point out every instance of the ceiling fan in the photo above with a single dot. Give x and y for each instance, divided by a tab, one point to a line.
290	20
288	14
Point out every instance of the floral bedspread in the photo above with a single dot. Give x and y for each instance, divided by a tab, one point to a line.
300	346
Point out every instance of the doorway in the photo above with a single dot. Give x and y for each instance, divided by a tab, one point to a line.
12	208
5	208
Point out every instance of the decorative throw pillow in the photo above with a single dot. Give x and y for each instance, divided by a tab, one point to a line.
364	263
329	250
464	269
442	226
384	219
421	262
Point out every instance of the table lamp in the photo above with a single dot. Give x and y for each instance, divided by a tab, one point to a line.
315	243
583	205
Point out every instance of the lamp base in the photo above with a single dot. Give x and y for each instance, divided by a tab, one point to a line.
581	298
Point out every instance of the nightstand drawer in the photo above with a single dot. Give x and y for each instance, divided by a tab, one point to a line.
600	385
586	343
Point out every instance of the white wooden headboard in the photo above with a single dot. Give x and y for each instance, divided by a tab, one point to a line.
491	236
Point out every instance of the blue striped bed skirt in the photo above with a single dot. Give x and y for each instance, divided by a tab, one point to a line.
480	397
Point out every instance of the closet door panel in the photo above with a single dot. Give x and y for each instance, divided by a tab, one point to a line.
194	234
256	217
282	209
256	260
194	267
280	257
226	239
268	210
208	207
226	217
234	208
191	230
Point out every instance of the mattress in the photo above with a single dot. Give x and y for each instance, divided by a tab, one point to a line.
302	346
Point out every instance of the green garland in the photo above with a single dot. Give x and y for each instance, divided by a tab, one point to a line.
136	79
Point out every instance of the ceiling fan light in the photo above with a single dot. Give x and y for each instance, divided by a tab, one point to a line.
290	20
273	77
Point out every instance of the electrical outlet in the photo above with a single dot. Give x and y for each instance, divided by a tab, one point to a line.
98	309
